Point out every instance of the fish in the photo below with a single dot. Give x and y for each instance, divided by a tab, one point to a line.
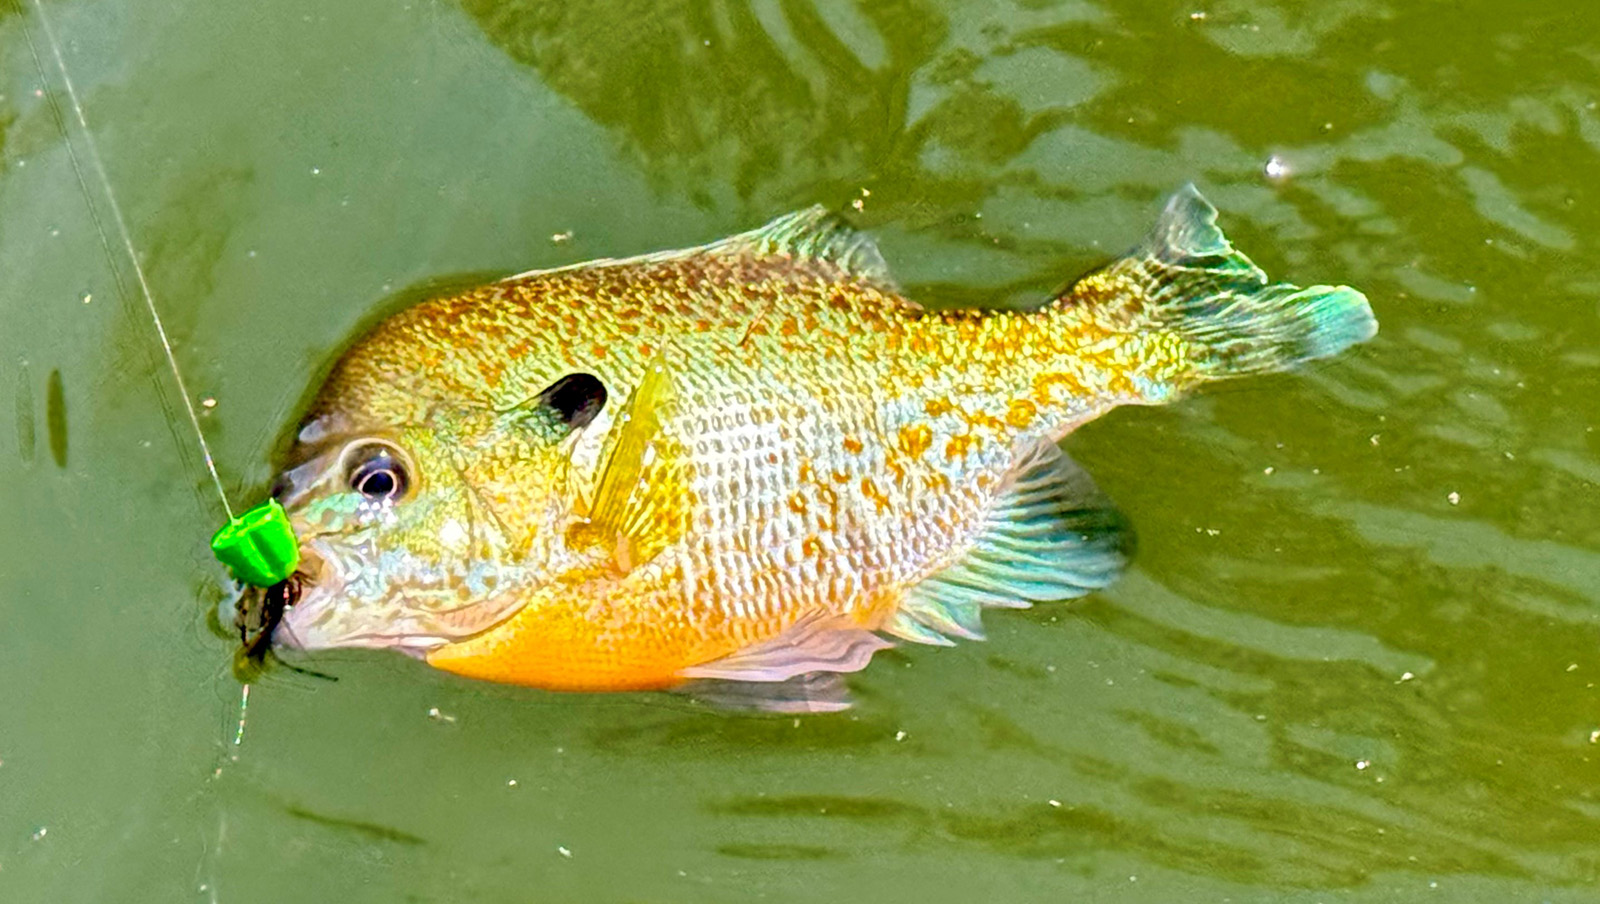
745	468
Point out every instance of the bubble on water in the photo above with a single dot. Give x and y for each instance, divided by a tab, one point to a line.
563	851
561	237
208	402
39	833
1361	765
1454	497
1277	168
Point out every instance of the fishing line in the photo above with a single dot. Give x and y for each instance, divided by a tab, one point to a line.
93	152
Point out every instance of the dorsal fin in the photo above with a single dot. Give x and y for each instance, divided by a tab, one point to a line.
1051	535
641	499
816	233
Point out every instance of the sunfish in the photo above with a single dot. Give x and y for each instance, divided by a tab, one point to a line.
750	464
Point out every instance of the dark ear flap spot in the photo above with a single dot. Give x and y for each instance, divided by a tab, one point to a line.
576	398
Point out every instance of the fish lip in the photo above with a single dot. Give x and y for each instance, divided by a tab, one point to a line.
299	628
308	639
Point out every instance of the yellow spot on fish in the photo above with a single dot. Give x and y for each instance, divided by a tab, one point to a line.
897	469
1021	413
1045	386
871	491
985	419
829	498
915	439
936	407
852	445
959	446
797	503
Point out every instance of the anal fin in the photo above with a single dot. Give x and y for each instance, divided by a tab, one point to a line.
1050	535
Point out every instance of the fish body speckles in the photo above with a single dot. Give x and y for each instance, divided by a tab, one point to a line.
751	461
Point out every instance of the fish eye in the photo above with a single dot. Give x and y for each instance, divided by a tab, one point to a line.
375	470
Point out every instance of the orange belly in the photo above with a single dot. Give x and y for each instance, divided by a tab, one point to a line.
601	636
563	652
574	645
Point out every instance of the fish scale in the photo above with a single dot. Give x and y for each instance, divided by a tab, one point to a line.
782	456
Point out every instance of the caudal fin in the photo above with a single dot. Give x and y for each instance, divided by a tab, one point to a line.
1191	280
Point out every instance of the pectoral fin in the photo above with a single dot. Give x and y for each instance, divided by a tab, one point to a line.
1051	535
823	643
641	502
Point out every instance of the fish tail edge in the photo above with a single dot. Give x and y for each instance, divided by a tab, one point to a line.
1189	279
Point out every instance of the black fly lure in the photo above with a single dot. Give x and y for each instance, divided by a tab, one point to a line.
255	617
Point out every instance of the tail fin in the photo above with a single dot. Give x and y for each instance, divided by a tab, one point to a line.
1193	282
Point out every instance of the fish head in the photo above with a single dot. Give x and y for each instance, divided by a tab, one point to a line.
431	529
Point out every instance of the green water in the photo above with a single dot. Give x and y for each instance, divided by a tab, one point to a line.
1358	659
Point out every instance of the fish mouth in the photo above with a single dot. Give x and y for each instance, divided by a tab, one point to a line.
258	612
323	616
310	625
320	617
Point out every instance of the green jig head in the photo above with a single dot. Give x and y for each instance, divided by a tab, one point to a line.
258	546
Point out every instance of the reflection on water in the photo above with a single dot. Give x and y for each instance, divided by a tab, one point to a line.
27	429
1359	649
770	100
